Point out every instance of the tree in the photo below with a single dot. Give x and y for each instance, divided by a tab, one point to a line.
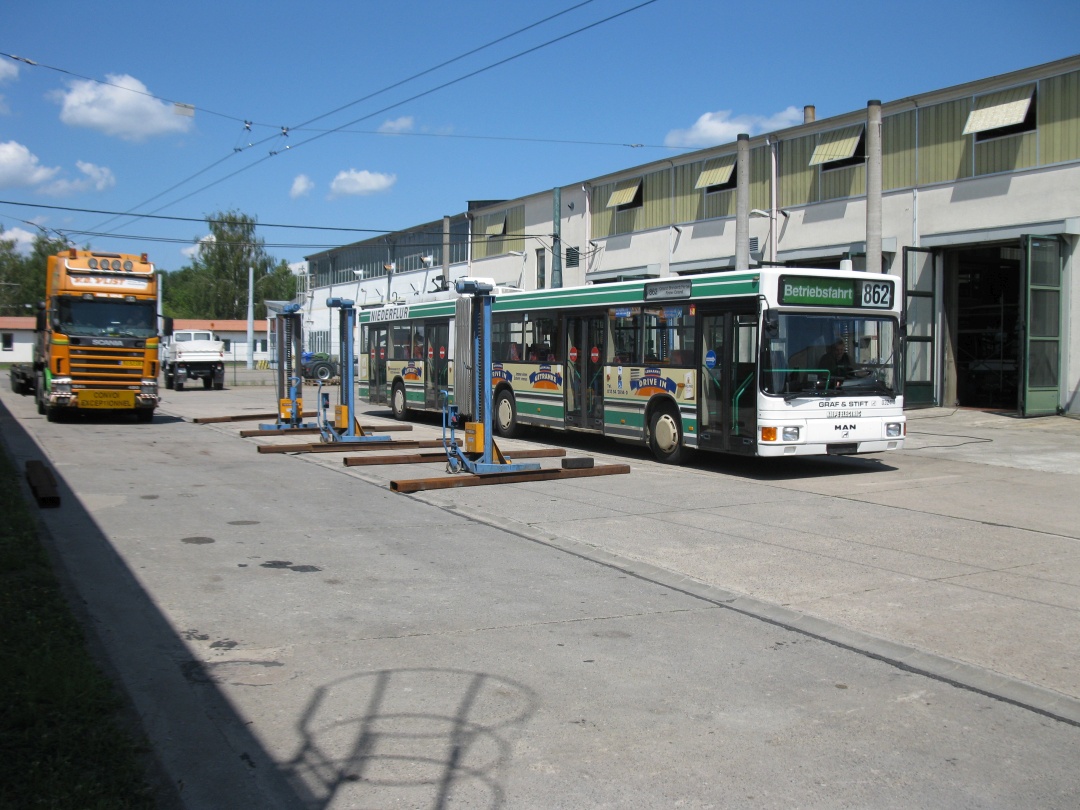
22	278
215	284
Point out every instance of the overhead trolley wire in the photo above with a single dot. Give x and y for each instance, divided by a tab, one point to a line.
428	92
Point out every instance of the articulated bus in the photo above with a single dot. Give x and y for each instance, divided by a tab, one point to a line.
769	362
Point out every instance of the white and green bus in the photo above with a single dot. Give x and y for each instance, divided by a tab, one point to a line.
769	362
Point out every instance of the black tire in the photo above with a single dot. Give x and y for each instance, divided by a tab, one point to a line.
398	402
39	398
322	371
177	385
207	382
169	379
52	414
144	416
505	415
665	436
218	386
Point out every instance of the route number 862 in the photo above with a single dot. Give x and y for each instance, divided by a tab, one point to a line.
877	294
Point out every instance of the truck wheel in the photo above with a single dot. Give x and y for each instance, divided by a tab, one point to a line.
398	403
322	371
506	424
39	398
177	385
665	435
52	414
219	385
144	415
207	382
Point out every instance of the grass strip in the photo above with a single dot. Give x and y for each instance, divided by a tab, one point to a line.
62	740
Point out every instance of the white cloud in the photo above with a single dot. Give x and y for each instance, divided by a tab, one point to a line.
122	108
95	178
20	167
301	186
194	250
398	125
354	183
24	240
721	127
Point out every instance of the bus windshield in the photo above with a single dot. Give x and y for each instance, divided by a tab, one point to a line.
94	318
829	355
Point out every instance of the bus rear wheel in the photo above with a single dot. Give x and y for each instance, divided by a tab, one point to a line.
665	437
398	402
506	424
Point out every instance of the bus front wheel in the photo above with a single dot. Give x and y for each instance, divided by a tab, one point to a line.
665	437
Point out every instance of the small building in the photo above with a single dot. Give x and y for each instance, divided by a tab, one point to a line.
16	339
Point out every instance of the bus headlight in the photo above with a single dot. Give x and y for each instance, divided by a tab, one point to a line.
791	434
893	430
61	385
148	388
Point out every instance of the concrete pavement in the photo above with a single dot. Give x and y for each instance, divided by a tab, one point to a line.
322	612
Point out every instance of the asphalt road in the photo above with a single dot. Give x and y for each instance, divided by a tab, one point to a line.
889	631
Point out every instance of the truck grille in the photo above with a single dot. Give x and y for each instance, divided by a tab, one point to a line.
106	365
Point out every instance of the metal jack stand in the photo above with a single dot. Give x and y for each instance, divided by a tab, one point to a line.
290	383
345	428
479	455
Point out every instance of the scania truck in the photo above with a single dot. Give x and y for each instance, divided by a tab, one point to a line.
95	338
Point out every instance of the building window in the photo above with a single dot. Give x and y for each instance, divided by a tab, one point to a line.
7	341
541	268
840	148
627	195
1007	112
718	175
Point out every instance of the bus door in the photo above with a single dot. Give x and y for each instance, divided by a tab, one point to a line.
436	363
728	398
584	378
378	341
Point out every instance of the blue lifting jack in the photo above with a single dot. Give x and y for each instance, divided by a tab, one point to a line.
344	427
290	382
479	454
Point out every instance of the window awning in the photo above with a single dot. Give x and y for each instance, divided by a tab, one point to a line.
996	110
717	172
496	227
840	144
624	193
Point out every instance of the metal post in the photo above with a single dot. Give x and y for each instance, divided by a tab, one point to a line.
250	322
873	186
742	203
556	239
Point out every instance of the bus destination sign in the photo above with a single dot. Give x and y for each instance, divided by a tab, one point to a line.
824	291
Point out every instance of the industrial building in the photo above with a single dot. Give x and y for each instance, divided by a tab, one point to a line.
979	213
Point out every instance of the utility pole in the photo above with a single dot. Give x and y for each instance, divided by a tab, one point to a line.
556	240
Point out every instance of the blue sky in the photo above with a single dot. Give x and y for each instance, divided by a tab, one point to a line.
93	124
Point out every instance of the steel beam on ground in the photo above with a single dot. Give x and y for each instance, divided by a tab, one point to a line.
422	458
343	447
455	481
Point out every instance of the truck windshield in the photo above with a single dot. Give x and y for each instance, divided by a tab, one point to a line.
79	317
830	355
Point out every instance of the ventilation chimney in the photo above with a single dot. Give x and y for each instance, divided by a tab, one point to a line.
809	114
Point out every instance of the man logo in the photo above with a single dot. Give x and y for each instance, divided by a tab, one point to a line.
844	428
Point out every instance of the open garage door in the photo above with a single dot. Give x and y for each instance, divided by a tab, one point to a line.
920	314
1041	354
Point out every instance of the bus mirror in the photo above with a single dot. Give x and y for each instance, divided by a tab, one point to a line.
167	326
771	323
903	325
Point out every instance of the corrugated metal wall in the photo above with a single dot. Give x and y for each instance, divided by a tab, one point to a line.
944	153
1058	111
